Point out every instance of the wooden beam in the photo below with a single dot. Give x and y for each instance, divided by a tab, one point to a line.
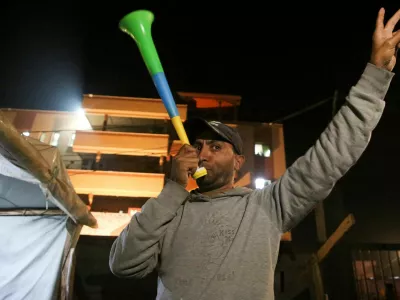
128	107
320	222
121	143
234	99
346	224
318	291
111	183
287	237
311	268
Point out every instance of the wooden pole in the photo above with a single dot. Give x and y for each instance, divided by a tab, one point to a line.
312	268
346	224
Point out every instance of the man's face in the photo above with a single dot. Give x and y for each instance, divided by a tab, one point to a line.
219	159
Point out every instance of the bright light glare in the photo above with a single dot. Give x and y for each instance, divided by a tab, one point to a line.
80	112
133	210
81	121
261	183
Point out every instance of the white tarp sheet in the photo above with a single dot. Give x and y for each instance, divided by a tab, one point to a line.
34	242
31	247
31	251
19	189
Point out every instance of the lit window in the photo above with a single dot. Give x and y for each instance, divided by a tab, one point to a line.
261	183
72	139
55	138
42	137
262	150
26	133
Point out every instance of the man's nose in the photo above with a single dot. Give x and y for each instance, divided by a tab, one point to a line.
204	153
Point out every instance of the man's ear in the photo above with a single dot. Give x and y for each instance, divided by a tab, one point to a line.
239	161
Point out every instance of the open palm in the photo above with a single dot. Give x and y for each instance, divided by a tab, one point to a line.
385	42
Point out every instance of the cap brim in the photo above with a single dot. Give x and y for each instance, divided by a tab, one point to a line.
195	126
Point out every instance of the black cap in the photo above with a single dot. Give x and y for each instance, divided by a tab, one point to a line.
196	126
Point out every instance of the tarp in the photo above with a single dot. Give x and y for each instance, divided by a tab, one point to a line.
33	248
44	163
31	254
40	219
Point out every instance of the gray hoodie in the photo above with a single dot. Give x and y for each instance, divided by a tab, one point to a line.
226	246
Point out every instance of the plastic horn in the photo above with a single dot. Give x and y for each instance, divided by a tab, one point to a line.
137	24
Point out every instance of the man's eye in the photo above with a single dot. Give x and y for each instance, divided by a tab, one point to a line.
216	147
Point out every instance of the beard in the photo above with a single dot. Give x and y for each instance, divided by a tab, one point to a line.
215	179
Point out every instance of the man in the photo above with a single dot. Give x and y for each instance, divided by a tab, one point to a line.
220	242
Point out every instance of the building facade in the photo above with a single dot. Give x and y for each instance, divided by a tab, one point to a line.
118	150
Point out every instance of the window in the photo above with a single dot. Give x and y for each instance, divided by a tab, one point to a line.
55	138
71	140
377	272
42	137
26	133
262	150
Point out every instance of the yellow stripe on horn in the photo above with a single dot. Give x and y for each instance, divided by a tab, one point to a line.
180	130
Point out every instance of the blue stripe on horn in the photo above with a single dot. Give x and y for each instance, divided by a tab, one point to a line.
161	83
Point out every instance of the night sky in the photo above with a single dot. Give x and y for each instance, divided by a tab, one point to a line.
279	57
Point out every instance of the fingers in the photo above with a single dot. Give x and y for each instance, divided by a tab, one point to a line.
187	150
394	41
187	161
190	161
192	170
391	24
379	20
189	165
188	156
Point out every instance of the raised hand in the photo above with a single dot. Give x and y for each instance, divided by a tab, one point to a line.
385	42
184	164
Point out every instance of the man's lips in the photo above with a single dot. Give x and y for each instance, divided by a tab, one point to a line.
206	167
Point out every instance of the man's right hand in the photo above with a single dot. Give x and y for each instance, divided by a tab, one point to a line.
184	164
385	42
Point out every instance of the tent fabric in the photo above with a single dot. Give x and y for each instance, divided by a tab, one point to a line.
45	165
41	217
31	255
13	194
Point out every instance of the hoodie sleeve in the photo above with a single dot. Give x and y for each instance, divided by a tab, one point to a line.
312	177
135	252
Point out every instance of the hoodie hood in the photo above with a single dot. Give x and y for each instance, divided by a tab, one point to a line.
196	196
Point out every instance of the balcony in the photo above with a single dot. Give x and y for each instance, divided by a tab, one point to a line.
110	224
121	184
211	100
128	107
122	143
